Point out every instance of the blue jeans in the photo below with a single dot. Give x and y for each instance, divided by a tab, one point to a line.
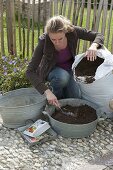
62	83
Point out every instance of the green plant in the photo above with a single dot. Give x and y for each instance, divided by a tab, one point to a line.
12	73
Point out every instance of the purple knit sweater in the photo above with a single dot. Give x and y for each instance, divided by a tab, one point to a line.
64	59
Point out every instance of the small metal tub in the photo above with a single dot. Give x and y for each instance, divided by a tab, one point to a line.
71	130
18	107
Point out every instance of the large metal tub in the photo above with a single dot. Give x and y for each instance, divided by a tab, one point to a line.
72	130
20	106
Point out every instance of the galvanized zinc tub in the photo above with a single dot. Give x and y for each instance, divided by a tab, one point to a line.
20	106
72	130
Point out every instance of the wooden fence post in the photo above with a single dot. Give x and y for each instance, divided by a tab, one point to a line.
23	26
28	27
9	27
74	11
39	1
55	7
44	13
33	9
98	15
19	27
87	23
104	17
81	20
69	9
2	51
12	7
94	15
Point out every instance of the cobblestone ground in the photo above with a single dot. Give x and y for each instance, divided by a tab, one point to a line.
92	153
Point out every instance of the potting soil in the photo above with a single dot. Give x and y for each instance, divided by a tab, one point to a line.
88	68
82	114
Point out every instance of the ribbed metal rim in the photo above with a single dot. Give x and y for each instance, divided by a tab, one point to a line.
43	100
21	106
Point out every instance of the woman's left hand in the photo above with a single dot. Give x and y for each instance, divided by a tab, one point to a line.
91	52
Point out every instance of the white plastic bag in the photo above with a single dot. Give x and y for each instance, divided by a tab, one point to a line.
100	91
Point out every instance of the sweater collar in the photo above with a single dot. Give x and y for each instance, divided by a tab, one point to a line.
71	38
48	47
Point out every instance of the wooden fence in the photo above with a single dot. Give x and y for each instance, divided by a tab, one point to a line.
22	21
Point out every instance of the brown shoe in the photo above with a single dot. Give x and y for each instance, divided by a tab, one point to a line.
111	104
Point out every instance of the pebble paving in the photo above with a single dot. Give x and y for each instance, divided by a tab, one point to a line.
92	153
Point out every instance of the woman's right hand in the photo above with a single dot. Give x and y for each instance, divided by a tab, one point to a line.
51	98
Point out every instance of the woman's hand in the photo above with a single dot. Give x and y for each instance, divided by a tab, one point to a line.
51	98
91	52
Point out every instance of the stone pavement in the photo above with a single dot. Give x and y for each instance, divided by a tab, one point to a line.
92	153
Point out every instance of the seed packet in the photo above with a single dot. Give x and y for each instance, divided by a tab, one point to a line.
34	140
46	136
36	129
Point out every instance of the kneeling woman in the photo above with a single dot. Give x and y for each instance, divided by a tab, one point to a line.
53	58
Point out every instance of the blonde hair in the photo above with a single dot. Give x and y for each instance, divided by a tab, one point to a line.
58	24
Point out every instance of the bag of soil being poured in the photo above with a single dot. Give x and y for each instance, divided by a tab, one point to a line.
95	79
